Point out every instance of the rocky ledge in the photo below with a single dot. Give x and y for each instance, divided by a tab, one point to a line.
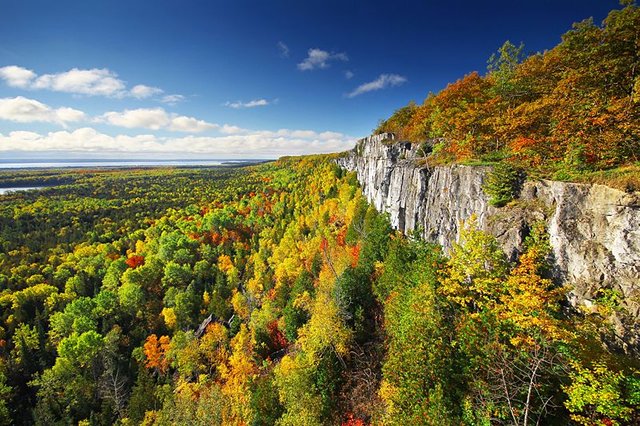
594	230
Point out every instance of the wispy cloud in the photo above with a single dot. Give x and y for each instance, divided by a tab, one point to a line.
172	99
251	104
382	82
257	144
89	82
24	110
141	91
348	74
156	119
284	49
318	58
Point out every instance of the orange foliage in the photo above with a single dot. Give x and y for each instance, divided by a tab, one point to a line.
340	238
526	150
155	351
113	256
573	108
352	421
134	261
355	255
216	238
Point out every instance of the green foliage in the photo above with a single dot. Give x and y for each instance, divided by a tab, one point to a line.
598	395
503	184
5	392
293	315
419	376
502	67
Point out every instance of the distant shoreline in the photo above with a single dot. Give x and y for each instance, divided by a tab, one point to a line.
82	164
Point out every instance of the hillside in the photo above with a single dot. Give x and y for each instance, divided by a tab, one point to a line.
567	113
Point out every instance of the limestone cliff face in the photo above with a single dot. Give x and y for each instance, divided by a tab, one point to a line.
594	230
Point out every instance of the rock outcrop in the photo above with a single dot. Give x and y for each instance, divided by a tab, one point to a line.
594	230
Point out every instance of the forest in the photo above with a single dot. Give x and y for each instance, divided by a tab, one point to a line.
275	294
569	113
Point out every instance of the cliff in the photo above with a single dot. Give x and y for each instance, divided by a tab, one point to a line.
594	230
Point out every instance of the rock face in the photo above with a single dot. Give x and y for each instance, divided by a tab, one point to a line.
594	230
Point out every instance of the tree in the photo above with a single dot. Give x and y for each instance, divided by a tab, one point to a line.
238	376
475	270
503	184
155	351
502	68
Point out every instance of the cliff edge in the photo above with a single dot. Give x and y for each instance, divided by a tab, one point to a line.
594	230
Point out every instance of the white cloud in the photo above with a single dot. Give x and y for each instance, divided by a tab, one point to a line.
249	144
284	49
172	99
318	58
24	110
156	119
153	119
251	104
17	76
232	130
141	91
348	74
90	82
383	81
190	125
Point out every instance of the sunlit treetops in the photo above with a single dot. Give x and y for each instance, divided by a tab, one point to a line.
573	108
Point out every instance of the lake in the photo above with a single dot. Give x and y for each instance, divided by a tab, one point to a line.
118	163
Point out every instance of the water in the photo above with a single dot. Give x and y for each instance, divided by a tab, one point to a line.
22	188
118	163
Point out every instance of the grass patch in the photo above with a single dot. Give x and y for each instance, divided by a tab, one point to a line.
624	178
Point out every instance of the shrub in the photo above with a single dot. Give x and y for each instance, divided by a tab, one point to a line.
503	184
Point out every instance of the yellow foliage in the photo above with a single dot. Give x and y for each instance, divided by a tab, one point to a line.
169	316
242	370
530	301
225	263
240	305
388	393
326	328
206	299
303	301
213	345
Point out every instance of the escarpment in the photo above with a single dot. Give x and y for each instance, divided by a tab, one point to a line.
594	230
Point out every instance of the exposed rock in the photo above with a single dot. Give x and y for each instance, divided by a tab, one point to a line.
594	230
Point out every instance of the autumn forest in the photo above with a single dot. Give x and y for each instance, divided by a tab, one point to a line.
275	294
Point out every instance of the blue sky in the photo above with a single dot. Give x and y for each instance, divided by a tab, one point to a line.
231	79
